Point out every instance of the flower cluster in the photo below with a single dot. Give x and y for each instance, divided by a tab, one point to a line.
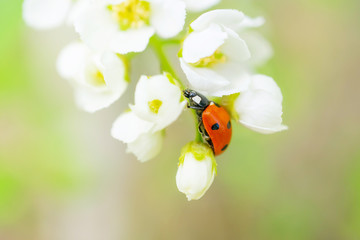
219	53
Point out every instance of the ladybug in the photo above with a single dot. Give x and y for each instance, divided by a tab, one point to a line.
214	121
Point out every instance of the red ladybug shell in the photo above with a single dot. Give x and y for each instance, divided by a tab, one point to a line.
217	124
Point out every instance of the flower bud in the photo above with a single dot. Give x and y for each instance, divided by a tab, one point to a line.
197	169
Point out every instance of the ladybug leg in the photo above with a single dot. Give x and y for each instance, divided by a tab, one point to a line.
204	134
194	107
200	129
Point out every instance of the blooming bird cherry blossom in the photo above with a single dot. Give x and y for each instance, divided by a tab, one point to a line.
98	79
126	26
158	103
219	55
197	170
215	59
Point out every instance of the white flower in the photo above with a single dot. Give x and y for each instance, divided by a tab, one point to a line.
216	57
260	49
260	107
158	103
48	14
197	169
135	132
126	26
200	5
45	14
147	146
98	79
158	100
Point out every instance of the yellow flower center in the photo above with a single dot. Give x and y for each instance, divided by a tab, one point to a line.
131	13
155	105
217	57
98	79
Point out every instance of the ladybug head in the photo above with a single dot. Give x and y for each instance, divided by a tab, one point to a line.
196	99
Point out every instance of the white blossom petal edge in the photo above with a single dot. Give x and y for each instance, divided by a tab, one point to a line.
147	146
45	14
260	107
260	48
98	79
200	5
197	170
135	132
158	100
128	127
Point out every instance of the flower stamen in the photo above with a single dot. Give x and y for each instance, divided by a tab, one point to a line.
98	79
217	57
155	105
131	14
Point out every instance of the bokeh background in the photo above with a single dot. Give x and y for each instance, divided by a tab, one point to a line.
62	176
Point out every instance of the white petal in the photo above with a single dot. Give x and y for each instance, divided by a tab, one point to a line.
78	64
265	130
158	88
71	60
45	14
96	26
75	10
260	49
132	40
167	114
222	79
168	17
238	77
147	146
145	92
205	80
267	84
92	101
227	17
250	23
114	72
128	127
260	108
200	44
235	48
200	5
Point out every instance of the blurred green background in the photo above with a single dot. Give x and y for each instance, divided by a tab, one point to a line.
62	176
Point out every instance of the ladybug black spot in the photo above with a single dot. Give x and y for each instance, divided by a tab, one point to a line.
224	148
215	126
229	125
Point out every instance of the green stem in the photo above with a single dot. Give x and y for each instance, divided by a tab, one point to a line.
172	41
157	45
198	137
165	65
